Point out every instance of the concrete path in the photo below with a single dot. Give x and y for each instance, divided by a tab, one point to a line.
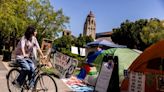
3	83
3	72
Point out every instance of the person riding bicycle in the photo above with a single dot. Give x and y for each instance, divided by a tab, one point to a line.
24	52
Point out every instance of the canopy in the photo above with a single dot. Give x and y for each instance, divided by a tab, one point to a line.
105	43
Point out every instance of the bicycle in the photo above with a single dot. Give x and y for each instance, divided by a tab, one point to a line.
43	82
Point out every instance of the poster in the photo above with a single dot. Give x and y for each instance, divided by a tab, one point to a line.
104	77
137	82
82	51
74	50
63	63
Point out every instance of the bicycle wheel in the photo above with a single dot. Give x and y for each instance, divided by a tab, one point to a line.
45	83
11	80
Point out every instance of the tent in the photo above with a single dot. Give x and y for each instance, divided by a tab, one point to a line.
105	43
125	58
151	64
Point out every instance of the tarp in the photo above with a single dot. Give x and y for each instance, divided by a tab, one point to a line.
125	58
104	43
140	65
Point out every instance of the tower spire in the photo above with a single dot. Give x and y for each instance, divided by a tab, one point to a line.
90	25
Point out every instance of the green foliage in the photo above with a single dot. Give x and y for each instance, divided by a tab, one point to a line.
81	41
12	16
64	44
153	32
139	34
47	21
16	15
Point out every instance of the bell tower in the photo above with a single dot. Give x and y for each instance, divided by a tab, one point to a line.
90	26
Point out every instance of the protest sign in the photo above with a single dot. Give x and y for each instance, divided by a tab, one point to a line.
64	64
137	82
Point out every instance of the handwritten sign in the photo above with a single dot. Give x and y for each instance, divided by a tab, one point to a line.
137	82
104	77
63	63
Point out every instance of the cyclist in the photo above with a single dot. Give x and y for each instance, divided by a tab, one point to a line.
24	51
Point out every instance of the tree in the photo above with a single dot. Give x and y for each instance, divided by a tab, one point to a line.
139	34
16	15
153	32
12	18
47	21
63	42
81	41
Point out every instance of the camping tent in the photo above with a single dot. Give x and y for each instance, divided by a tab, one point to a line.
151	64
125	58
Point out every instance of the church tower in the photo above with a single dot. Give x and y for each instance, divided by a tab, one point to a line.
90	26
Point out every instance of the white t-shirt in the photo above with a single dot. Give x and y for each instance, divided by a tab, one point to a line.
29	46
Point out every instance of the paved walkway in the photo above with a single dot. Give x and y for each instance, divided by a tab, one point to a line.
3	84
3	72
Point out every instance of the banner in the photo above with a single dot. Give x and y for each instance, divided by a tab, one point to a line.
137	82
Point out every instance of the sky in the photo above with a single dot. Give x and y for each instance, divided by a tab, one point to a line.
109	14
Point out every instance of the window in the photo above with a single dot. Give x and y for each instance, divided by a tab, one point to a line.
156	63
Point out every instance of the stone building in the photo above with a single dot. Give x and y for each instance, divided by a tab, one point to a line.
67	32
90	26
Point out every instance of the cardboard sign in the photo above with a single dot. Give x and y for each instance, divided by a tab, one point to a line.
104	77
137	82
63	63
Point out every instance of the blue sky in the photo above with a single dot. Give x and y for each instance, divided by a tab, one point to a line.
109	14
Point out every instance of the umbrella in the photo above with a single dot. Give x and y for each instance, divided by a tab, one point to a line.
105	43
